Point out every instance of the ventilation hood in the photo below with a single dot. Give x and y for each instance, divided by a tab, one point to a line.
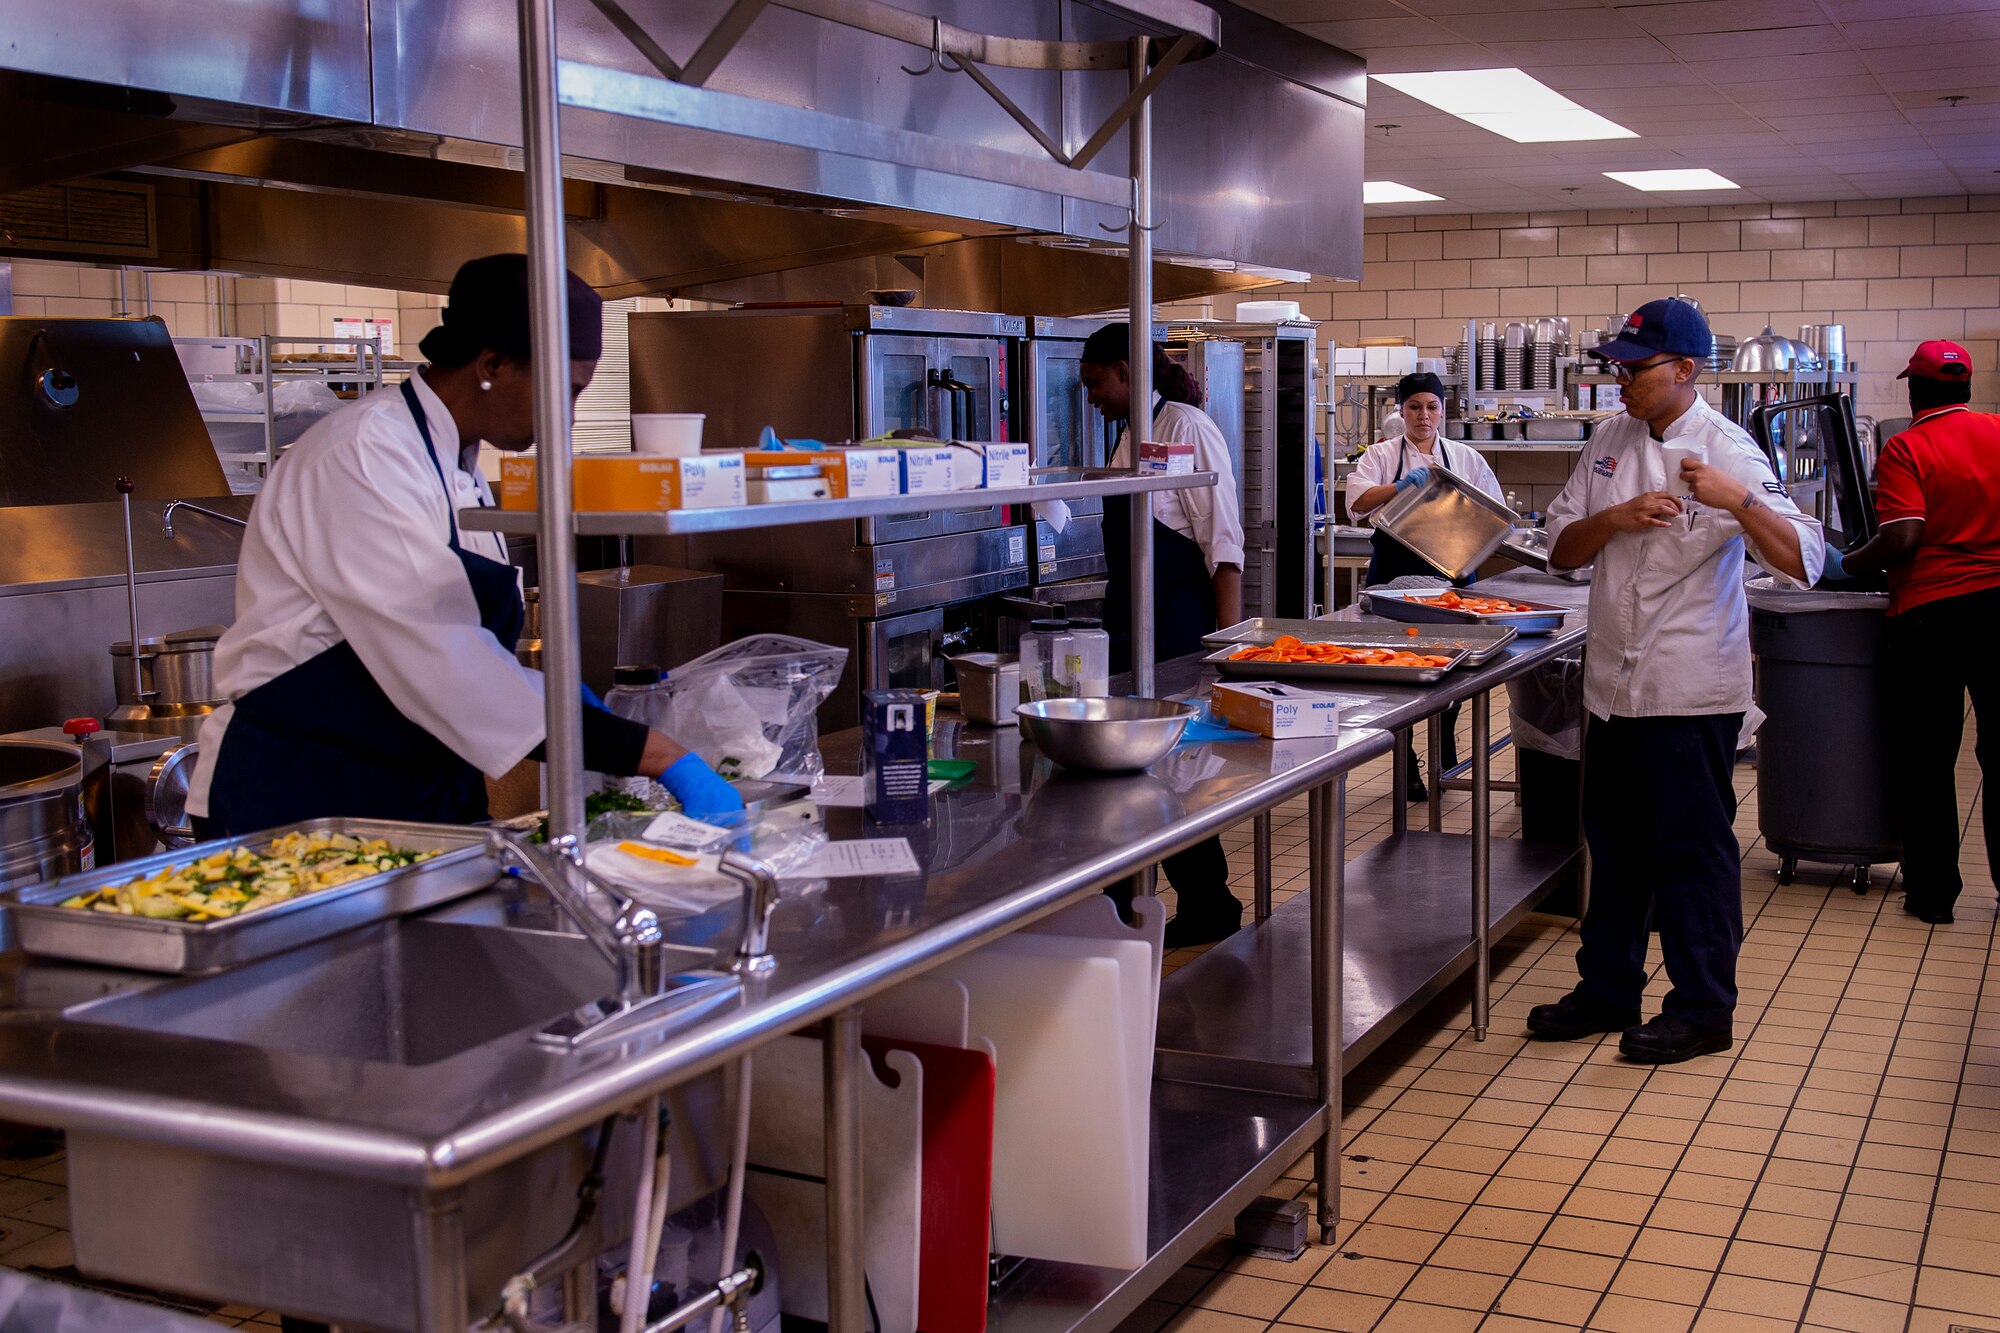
375	142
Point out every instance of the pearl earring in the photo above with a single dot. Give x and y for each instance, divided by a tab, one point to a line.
486	384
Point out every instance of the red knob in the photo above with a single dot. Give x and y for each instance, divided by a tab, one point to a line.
82	726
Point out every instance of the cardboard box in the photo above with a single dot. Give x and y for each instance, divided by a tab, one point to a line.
1173	459
931	469
895	754
1004	463
1275	709
634	483
851	474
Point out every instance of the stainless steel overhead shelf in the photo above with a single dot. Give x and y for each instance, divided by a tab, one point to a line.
1080	485
1745	377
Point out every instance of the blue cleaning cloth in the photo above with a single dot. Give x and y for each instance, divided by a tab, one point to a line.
768	439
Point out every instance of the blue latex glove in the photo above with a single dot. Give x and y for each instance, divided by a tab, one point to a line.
701	791
590	697
1205	727
1416	476
1835	567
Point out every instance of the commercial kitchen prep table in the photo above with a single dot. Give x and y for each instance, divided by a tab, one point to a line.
1415	919
1018	840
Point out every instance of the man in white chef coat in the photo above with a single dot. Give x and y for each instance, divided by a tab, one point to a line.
1665	503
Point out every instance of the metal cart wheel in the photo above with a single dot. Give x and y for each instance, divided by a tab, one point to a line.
1787	867
1861	880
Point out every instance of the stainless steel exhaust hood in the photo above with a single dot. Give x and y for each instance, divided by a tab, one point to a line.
373	141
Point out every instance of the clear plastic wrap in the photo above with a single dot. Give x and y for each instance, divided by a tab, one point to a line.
785	838
749	708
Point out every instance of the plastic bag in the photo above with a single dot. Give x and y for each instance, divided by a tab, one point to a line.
36	1305
749	708
784	839
1545	708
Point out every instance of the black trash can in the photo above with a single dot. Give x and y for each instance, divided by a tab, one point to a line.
1822	755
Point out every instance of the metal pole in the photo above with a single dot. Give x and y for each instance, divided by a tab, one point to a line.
1328	843
1260	832
1482	859
549	306
1433	739
1140	254
1399	780
846	1295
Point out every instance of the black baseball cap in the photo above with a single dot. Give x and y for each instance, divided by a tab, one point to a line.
1667	325
487	310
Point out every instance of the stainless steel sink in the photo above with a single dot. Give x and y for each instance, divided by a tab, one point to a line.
407	992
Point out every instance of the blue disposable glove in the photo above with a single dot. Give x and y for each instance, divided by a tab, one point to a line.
701	791
1835	567
1416	476
590	697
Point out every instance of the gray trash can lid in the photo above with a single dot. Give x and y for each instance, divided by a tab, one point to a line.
1765	593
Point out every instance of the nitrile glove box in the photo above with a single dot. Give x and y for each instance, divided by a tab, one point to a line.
931	469
895	756
1005	464
1275	709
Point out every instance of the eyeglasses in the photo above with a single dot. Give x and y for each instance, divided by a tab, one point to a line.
1625	374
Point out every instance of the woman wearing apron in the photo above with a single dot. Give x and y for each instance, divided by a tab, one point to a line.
371	668
1399	464
1197	578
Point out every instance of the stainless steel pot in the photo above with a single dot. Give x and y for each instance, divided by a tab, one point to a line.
175	670
1829	341
43	831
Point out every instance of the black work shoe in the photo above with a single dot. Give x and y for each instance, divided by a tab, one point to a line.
1416	793
1577	1015
1937	916
1667	1040
1204	923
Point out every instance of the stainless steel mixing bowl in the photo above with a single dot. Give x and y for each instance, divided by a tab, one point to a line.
1105	735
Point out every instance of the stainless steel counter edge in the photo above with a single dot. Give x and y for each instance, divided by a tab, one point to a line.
341	1148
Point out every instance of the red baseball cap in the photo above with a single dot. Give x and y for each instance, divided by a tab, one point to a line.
1939	360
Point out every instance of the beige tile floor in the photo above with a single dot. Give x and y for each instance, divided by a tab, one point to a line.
1839	1169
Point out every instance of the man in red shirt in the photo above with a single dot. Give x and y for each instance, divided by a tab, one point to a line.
1937	494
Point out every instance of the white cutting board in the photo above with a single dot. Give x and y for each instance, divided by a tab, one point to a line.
927	1008
1097	918
1136	1019
1065	1186
788	1141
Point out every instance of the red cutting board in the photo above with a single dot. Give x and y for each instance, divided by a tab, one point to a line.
957	1184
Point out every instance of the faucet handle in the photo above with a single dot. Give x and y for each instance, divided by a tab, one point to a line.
760	899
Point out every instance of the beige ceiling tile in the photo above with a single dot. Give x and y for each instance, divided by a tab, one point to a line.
1598	51
1820	65
1963	55
1724	15
1361	34
1855	12
1542	25
1761	44
1876	31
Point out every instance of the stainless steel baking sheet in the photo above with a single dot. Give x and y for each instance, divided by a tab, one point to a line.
1330	671
1477	642
1398	604
42	927
1449	522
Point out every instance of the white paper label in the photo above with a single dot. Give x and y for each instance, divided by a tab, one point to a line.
864	856
851	791
676	830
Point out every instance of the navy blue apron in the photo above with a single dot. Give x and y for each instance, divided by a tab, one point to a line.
323	739
1183	588
1392	559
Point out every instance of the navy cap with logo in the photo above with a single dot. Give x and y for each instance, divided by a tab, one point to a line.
1666	326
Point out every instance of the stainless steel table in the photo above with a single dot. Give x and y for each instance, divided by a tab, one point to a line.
1018	841
1231	1017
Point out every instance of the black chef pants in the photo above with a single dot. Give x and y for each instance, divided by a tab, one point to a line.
1659	810
1938	652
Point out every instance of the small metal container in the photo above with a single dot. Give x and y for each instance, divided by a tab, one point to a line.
42	926
1114	735
43	831
1449	522
989	687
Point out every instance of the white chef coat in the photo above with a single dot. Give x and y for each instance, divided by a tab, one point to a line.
1669	629
348	541
1211	517
1384	463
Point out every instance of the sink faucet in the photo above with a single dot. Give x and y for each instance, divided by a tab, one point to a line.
760	899
167	518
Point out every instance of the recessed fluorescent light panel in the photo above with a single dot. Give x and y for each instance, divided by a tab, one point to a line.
1388	192
1688	178
1507	102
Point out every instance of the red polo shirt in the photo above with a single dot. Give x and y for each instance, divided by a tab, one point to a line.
1945	470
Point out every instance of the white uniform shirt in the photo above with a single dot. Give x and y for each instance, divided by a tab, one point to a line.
348	541
1211	517
1669	629
1384	463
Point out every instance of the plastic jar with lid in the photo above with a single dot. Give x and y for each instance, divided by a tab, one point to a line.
1042	651
1086	666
